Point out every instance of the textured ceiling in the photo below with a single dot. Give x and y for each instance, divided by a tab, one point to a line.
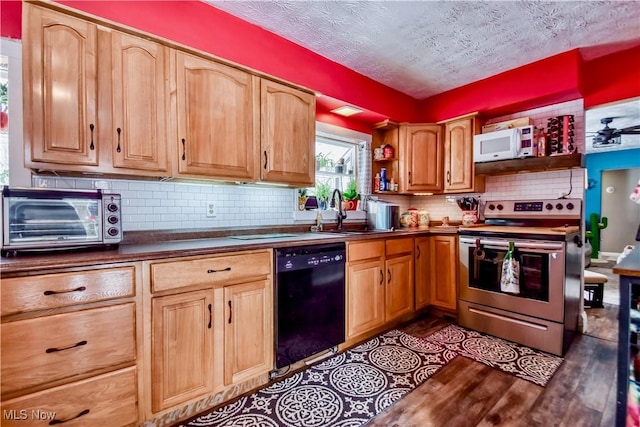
423	48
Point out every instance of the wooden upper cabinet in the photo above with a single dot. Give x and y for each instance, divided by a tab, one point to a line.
458	156
421	157
287	118
59	88
139	95
217	109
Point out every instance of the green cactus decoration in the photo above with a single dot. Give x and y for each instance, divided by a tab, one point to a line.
594	234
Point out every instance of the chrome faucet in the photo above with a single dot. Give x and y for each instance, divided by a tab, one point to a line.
341	214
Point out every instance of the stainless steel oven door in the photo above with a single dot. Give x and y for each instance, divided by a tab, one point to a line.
542	271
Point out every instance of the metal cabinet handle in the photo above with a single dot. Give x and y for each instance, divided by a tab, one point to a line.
80	289
418	254
91	127
230	312
409	177
184	156
381	277
54	350
118	148
57	421
210	317
265	159
218	271
448	177
389	275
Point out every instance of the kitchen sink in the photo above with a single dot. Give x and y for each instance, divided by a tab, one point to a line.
346	231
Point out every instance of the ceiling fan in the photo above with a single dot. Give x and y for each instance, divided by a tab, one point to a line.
607	137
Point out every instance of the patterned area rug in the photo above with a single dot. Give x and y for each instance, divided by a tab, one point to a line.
523	362
349	389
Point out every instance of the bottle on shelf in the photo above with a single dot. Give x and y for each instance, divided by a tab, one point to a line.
377	183
383	179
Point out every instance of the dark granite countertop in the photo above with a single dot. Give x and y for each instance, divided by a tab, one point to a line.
629	265
142	246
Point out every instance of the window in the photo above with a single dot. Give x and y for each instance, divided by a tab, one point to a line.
12	168
336	165
4	120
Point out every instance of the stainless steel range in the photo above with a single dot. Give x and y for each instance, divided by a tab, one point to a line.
543	310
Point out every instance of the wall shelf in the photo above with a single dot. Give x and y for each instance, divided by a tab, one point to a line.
531	164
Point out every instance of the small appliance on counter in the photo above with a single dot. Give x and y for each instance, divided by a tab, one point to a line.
382	215
37	219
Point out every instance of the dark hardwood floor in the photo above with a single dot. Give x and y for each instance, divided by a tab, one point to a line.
466	393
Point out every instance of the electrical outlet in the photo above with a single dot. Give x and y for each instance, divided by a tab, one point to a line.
211	209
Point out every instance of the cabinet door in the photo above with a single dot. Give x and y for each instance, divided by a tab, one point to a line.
248	331
458	155
139	103
365	296
287	121
182	348
443	253
422	271
60	91
422	157
399	286
217	119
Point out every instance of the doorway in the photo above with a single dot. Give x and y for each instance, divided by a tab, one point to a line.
623	214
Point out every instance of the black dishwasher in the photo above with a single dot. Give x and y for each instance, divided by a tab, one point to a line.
310	298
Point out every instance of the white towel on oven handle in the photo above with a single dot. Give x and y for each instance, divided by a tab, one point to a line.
510	278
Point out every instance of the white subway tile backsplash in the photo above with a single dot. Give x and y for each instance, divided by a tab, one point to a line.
178	205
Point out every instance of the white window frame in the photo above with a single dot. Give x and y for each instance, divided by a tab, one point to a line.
325	129
19	176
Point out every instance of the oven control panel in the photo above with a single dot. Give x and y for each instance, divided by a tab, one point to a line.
544	208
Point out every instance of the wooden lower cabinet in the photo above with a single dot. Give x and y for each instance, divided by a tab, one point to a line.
365	296
211	327
422	270
248	331
105	400
182	348
379	283
443	253
399	282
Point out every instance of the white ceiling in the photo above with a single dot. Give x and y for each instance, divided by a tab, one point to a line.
423	48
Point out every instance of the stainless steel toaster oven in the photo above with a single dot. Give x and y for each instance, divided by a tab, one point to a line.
46	219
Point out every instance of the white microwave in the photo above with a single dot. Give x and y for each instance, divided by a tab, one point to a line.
505	144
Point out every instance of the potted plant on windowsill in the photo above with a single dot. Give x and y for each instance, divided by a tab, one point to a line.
324	162
351	196
323	192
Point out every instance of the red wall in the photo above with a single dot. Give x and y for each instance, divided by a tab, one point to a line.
541	83
557	79
612	77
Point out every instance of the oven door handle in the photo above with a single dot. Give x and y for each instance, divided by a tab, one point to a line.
502	244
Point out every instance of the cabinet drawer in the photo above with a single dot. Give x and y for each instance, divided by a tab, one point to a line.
44	349
399	246
357	251
222	270
47	291
105	400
